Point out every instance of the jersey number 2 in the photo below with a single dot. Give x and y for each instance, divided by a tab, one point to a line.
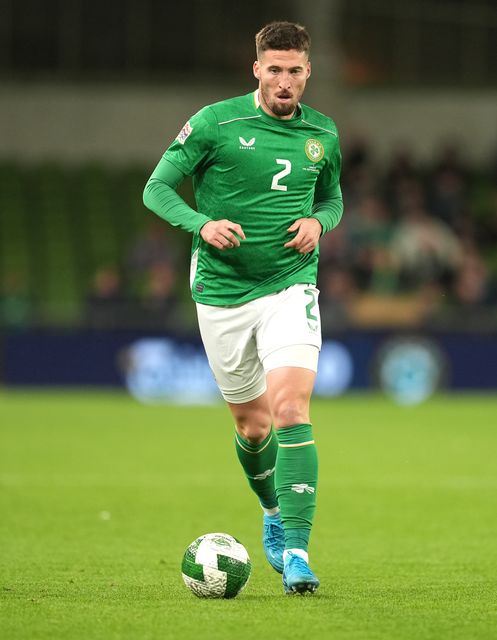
281	174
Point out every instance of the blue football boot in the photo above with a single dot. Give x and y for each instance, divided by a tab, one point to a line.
273	540
297	576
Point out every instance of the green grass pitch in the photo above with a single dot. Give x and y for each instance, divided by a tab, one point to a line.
99	497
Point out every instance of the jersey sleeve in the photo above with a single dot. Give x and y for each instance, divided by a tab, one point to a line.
195	144
160	196
328	203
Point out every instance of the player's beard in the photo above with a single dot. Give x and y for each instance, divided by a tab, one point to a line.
279	110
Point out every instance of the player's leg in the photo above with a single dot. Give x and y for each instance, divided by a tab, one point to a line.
289	344
227	334
289	392
257	447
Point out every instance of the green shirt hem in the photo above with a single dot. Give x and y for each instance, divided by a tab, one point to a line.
216	301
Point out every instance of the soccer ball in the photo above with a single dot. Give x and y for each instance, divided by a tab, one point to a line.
216	565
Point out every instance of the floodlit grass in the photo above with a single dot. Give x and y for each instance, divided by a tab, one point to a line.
100	496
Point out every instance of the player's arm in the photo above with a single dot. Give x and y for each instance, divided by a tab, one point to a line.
328	202
326	214
160	197
196	143
327	208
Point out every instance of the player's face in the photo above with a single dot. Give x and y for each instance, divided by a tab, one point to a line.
282	77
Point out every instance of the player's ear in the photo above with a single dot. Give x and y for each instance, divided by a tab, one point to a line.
257	70
308	70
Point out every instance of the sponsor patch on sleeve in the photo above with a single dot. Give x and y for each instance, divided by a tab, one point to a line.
184	133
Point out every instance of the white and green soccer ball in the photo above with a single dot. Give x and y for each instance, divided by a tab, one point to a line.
216	565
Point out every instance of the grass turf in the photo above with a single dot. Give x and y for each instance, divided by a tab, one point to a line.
99	497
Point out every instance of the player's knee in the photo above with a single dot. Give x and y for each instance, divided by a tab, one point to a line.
290	411
253	428
253	433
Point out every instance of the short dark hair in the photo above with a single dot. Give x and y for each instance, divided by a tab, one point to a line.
282	36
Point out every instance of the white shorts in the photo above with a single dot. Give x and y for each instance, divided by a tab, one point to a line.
244	342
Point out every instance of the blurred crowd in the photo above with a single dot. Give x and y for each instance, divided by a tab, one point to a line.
416	245
416	248
142	293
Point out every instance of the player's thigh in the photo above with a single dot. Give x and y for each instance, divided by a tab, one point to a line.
289	341
290	318
289	388
229	341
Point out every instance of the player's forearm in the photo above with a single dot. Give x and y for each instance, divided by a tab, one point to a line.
160	197
328	211
163	200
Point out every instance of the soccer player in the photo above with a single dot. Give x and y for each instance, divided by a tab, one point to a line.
265	174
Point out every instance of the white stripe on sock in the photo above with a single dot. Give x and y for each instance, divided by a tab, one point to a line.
300	444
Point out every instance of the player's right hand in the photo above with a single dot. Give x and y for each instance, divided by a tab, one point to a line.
221	234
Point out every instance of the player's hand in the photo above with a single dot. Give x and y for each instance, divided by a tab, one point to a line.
221	234
308	233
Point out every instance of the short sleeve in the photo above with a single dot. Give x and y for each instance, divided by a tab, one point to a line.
195	144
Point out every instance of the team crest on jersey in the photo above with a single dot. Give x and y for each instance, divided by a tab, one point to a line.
314	150
184	133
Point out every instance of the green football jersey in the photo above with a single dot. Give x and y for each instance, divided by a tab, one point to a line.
262	173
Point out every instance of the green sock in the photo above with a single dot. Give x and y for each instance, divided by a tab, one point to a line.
258	462
296	479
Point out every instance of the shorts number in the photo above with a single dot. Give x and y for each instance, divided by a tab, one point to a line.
310	305
281	174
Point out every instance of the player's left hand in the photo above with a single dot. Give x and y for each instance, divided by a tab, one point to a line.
308	233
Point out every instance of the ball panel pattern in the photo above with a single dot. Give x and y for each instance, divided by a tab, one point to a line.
216	565
237	574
